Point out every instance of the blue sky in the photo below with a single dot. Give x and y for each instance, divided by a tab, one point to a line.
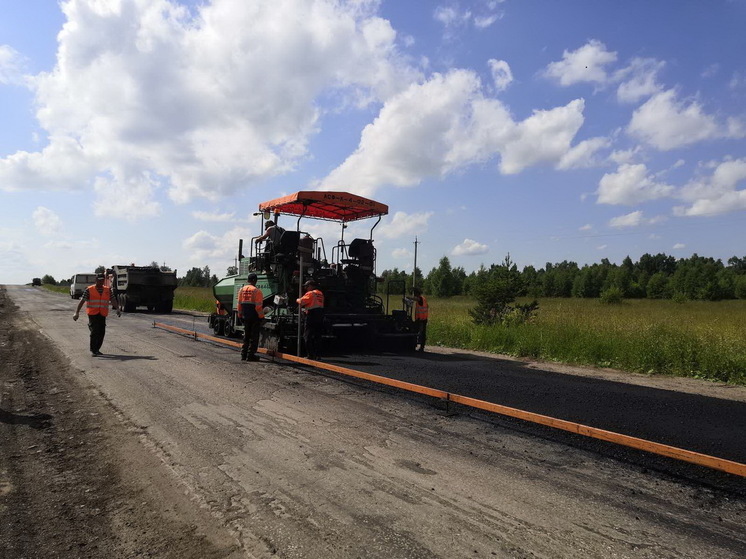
150	130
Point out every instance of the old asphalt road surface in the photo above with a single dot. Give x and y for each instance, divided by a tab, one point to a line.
167	447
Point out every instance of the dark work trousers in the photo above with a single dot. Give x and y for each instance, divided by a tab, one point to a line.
97	326
313	328
421	332
251	323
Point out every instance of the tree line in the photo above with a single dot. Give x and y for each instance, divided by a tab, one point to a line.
658	276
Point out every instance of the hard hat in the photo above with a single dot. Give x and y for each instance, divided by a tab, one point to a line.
309	283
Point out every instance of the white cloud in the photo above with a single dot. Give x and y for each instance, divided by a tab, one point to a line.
737	80
634	219
666	123
469	248
624	156
585	64
582	155
403	224
446	124
209	103
213	216
639	79
630	185
451	16
586	227
501	74
601	247
204	246
126	196
629	220
401	253
679	246
718	193
545	136
11	66
47	222
483	22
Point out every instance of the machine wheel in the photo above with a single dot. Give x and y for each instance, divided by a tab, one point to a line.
218	327
125	304
166	307
228	330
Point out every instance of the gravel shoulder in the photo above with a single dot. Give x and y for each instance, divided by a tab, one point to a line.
75	478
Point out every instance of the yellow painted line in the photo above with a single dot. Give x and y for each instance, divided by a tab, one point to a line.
721	464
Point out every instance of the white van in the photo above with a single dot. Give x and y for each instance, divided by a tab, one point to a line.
79	282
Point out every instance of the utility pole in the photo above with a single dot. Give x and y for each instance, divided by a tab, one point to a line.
414	272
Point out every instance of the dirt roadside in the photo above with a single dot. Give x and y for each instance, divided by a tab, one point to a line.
75	482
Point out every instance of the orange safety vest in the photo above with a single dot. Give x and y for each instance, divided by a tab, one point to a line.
220	309
313	299
98	303
251	294
420	309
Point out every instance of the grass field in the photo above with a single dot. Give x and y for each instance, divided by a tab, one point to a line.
696	338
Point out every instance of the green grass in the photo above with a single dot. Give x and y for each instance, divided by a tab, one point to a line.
57	288
194	299
696	339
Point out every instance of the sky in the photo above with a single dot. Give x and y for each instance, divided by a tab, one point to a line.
134	131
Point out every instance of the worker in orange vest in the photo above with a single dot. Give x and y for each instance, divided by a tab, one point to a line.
220	309
421	314
251	310
98	297
312	307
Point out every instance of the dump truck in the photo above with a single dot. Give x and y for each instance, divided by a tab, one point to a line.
355	316
143	286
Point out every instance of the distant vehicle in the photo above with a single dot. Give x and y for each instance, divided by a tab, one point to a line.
36	281
143	286
79	283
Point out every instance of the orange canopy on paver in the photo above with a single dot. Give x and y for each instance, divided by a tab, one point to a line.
335	206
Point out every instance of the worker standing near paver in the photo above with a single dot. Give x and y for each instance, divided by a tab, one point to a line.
251	310
312	306
97	297
421	314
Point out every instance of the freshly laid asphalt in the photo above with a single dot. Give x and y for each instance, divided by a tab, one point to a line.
699	423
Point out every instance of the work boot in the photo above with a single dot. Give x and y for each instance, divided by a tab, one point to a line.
252	358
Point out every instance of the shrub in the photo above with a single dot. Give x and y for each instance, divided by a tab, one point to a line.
679	297
612	296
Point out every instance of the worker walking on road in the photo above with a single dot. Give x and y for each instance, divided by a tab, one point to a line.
251	310
312	306
421	313
98	297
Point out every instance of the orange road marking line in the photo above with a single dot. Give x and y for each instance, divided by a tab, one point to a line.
676	453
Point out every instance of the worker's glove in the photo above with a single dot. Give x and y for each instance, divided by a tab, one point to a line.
119	313
75	316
